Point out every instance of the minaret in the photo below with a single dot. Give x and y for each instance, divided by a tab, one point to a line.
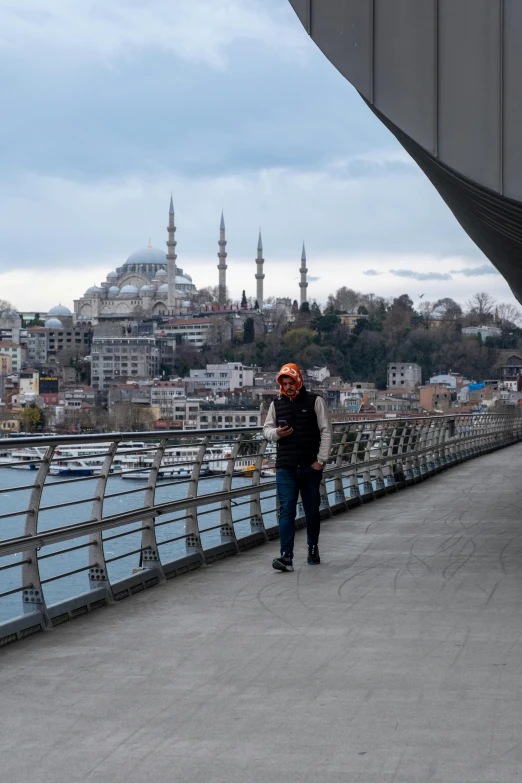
303	285
260	276
171	258
222	266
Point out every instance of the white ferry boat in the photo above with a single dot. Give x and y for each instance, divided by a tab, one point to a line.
26	459
173	472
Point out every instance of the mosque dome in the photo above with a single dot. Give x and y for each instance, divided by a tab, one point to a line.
147	255
112	276
129	289
53	323
162	273
163	289
59	310
94	290
147	289
113	290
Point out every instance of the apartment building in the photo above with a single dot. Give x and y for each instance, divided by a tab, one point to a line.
164	395
45	344
194	331
15	352
222	377
211	417
123	357
406	375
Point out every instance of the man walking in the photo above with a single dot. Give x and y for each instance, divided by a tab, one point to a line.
300	424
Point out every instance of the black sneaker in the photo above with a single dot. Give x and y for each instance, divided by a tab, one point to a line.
283	563
313	554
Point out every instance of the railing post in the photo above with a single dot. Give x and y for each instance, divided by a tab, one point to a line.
193	539
149	544
367	487
423	444
324	504
376	447
387	468
398	451
354	493
32	596
227	531
340	498
409	477
257	524
98	575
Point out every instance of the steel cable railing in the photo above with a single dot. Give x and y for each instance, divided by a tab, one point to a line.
160	532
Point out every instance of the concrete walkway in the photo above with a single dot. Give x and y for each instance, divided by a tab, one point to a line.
398	659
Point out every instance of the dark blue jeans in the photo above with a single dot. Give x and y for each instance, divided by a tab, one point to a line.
289	482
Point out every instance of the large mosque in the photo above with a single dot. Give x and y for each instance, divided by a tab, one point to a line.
148	283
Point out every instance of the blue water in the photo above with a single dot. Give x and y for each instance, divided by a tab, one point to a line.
82	493
171	527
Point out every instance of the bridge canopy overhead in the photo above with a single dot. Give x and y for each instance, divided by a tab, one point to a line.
443	75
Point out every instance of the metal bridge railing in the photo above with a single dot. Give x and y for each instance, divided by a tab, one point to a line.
87	520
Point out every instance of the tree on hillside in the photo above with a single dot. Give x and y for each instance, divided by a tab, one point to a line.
6	305
315	312
328	323
210	295
296	339
344	300
220	333
507	314
249	331
481	305
453	309
399	315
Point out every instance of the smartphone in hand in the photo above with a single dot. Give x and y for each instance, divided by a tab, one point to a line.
282	423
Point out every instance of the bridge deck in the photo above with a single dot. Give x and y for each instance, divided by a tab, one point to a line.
398	659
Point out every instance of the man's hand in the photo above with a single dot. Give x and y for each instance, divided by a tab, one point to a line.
317	466
284	432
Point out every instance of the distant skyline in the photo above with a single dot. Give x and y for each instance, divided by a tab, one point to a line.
110	106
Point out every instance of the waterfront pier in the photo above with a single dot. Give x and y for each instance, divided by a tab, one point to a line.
397	659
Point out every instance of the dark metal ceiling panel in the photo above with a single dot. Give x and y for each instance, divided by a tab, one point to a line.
512	99
469	89
343	30
302	9
405	59
445	77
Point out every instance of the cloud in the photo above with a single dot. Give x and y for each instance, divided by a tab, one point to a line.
199	31
372	273
312	279
476	271
421	275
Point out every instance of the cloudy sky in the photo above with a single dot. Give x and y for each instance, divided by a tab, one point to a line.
108	106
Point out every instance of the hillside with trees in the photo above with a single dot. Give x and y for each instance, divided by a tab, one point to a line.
387	330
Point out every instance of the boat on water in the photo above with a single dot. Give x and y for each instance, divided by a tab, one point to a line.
25	459
268	472
172	472
80	467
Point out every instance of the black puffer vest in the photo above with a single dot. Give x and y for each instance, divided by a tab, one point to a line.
300	449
